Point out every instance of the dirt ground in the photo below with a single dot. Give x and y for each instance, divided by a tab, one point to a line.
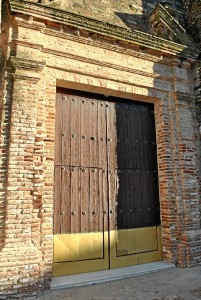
174	284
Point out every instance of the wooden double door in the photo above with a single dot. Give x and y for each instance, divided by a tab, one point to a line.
106	207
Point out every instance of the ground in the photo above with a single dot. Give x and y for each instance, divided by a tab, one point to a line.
174	284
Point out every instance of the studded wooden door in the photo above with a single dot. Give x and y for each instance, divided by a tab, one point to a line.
106	212
134	230
81	204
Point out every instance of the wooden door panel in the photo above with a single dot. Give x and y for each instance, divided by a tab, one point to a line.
133	187
106	188
81	213
137	195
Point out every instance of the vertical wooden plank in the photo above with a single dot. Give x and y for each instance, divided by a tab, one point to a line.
135	136
119	124
120	132
130	138
153	148
126	135
142	139
94	203
126	199
99	221
138	163
133	187
66	128
102	155
112	163
85	132
111	135
145	199
120	202
143	129
58	129
65	200
113	191
105	205
75	132
136	131
137	197
131	199
75	200
57	199
85	200
93	133
148	134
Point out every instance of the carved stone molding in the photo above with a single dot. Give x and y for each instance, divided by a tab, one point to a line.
24	69
149	41
27	64
166	26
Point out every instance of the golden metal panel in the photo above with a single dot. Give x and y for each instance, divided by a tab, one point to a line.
135	246
131	241
126	241
78	246
147	239
65	267
78	267
95	261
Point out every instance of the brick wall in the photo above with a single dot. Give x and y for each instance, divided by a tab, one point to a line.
193	27
40	55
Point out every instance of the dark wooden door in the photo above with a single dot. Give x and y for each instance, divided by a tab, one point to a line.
133	184
106	212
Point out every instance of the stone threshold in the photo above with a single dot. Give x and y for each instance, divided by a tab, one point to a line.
108	275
